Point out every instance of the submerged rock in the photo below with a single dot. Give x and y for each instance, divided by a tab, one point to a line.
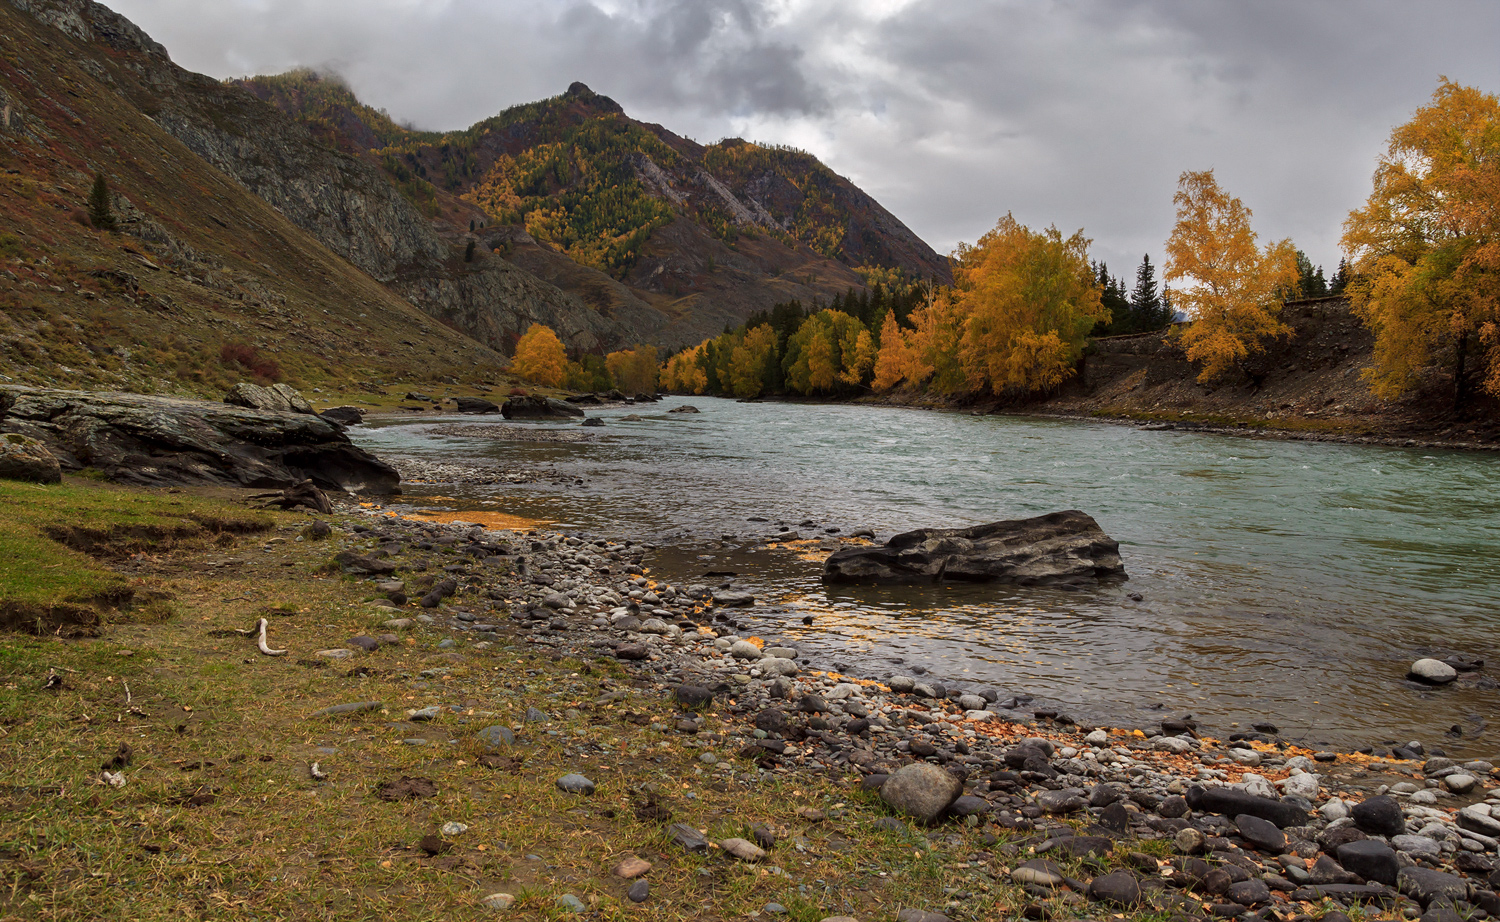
1060	547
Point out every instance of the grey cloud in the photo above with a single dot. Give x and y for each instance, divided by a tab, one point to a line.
952	112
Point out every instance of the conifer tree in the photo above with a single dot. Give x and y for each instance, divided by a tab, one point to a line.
101	214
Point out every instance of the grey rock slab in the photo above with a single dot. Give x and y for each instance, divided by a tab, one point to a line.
1061	547
1476	818
921	790
920	915
687	838
1418	847
1426	885
169	441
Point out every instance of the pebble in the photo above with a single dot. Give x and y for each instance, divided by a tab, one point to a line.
632	867
743	849
498	901
496	737
571	903
1460	783
639	892
575	783
454	829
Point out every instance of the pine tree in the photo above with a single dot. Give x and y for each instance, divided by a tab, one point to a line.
101	215
1340	278
469	252
1146	303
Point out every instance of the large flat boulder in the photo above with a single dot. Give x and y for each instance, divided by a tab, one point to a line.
538	408
1060	547
165	441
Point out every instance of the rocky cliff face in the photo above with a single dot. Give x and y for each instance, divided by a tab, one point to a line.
343	201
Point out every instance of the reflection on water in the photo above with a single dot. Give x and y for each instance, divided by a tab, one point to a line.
1286	581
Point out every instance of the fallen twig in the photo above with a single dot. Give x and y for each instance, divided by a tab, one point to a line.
260	641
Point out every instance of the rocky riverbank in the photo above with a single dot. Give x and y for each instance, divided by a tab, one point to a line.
1083	820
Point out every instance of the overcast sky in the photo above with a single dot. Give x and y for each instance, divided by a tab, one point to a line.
950	112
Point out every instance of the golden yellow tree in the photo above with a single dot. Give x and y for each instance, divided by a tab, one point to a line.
825	355
752	364
1231	287
634	371
1028	299
1425	249
540	357
859	357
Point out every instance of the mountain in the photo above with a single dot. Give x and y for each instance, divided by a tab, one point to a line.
703	233
205	283
280	224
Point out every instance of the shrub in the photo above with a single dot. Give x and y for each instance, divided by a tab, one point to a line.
263	368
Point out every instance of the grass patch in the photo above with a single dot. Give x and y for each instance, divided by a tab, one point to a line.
53	539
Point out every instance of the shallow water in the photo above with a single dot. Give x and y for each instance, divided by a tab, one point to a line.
1285	581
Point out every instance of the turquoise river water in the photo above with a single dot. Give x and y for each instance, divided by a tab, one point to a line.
1281	581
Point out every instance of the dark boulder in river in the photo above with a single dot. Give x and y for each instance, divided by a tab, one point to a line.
164	441
538	408
1057	548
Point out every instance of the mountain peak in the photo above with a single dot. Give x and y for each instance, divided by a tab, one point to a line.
578	90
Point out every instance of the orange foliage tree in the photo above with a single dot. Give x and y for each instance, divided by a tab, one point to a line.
684	372
540	357
1425	248
1232	288
892	360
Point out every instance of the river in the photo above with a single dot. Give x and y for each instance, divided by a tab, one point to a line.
1285	582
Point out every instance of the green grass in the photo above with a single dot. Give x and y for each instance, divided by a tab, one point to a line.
51	537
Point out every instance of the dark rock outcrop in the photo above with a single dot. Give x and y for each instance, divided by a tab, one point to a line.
163	441
344	416
476	405
538	408
26	458
1061	547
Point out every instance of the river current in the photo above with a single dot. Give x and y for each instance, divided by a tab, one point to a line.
1286	582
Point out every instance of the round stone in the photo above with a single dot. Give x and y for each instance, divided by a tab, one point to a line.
1432	671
